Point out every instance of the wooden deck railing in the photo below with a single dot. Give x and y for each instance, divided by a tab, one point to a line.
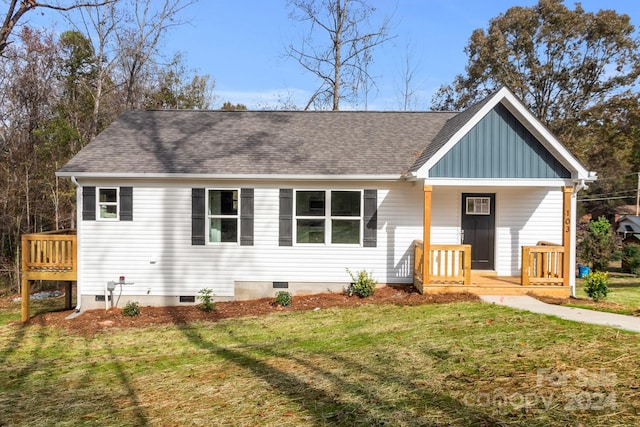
447	264
48	256
542	265
48	253
450	264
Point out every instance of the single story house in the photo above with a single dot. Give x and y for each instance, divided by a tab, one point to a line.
628	225
247	203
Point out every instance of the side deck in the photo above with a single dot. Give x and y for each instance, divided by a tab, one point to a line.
48	256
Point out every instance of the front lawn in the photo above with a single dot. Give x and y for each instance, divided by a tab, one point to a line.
466	363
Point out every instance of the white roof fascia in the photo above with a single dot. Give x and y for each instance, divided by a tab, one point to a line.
498	182
223	177
522	113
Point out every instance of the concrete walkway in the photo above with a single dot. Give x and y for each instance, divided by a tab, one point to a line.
620	321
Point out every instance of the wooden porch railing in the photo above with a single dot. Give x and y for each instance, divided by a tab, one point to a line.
48	256
543	265
447	264
451	264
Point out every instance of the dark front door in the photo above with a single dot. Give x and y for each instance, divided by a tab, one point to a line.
478	228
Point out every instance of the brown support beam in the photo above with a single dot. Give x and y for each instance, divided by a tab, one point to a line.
426	236
566	233
67	295
26	284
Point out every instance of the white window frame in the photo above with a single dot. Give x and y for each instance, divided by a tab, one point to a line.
99	204
209	217
484	202
328	218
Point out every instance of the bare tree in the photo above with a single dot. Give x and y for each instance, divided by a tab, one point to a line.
28	96
17	10
407	91
138	45
284	101
337	48
102	23
179	88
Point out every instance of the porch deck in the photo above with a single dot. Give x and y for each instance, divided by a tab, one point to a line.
447	268
488	283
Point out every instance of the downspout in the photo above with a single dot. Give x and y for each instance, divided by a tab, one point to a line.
78	240
577	187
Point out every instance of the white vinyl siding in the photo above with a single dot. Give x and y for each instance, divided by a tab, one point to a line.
524	216
155	252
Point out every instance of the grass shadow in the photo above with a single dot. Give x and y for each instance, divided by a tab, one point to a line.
325	406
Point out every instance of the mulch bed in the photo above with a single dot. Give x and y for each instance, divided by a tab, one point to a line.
93	321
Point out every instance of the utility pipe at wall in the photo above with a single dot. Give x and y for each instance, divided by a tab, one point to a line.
78	257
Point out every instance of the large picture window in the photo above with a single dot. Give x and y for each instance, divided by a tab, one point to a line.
222	214
333	217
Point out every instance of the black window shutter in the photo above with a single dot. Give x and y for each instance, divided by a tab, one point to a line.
370	239
126	204
246	217
198	220
286	217
89	203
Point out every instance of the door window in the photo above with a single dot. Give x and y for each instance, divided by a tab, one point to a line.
478	206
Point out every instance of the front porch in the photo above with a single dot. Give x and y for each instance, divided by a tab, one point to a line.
448	269
545	268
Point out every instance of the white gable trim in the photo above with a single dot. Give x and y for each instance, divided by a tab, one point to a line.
520	111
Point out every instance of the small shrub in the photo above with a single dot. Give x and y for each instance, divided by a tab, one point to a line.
363	284
206	300
597	285
283	298
631	258
131	309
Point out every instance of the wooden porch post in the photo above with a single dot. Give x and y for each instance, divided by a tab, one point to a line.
67	295
566	233
25	282
426	235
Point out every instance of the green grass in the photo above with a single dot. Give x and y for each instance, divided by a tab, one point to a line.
453	364
11	311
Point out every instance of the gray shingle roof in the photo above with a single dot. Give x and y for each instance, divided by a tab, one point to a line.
260	142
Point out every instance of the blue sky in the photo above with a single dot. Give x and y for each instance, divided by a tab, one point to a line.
240	44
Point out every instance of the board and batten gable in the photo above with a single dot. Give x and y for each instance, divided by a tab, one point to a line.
155	251
499	146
